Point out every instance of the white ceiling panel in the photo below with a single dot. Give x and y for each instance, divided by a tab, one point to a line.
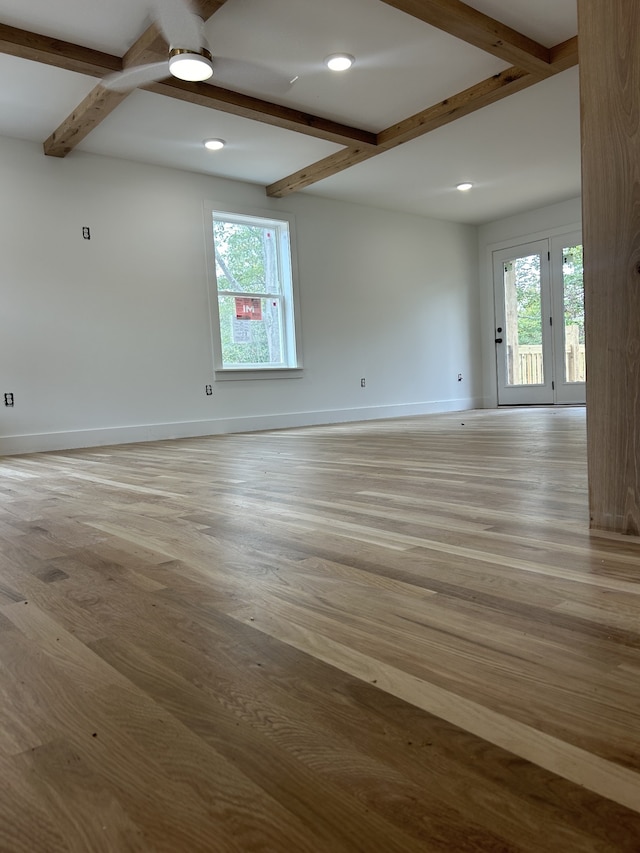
35	98
548	22
107	25
167	132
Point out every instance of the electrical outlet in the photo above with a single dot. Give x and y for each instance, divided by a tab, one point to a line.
86	232
459	377
8	399
208	390
363	382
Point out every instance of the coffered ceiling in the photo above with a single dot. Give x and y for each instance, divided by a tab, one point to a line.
441	91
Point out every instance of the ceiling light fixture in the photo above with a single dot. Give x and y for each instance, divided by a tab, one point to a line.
214	144
339	61
191	65
464	187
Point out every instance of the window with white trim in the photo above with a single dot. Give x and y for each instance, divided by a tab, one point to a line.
255	305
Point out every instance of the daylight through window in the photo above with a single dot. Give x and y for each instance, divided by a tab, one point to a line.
255	296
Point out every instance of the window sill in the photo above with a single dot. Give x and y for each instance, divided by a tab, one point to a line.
233	373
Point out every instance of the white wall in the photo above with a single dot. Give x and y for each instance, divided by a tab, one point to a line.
503	233
108	340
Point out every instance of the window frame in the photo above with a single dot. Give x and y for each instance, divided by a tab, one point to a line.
289	295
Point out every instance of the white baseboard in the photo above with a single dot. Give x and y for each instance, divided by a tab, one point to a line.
75	439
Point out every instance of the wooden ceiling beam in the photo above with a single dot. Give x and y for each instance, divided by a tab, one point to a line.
89	113
480	30
565	55
469	101
326	168
224	100
100	102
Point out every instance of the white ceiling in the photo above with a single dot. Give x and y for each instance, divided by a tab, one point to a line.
521	152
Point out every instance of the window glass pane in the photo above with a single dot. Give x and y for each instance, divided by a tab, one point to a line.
522	288
573	290
251	330
247	257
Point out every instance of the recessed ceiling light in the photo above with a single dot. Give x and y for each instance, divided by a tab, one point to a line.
464	187
214	144
191	65
339	61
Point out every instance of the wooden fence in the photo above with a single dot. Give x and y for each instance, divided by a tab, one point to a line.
525	364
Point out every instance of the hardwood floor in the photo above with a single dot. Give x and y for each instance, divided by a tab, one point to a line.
387	636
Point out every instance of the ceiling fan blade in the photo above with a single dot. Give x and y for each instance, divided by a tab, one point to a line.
243	74
136	76
179	23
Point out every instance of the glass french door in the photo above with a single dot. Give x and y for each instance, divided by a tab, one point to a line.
539	334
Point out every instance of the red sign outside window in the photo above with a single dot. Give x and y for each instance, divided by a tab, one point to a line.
248	308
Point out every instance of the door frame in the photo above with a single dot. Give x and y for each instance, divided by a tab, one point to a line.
555	390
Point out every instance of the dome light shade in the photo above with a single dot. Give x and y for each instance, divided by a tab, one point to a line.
191	65
214	144
339	61
464	187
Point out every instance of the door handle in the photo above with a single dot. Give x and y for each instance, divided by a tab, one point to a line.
498	340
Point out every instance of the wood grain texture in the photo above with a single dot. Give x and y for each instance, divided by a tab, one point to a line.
466	23
216	97
388	636
609	82
476	97
89	113
321	169
565	55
